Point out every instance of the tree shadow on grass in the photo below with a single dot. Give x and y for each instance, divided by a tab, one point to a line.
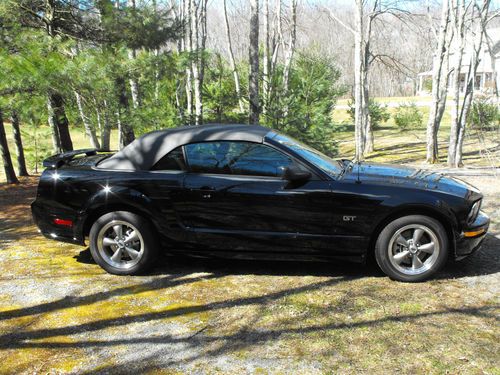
202	345
16	339
179	264
485	261
209	345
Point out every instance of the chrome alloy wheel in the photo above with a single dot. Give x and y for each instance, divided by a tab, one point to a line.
120	244
413	249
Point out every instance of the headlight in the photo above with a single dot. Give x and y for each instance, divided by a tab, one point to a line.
474	211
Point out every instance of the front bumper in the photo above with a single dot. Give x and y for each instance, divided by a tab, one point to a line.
472	237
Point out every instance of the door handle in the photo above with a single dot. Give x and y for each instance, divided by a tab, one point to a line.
206	191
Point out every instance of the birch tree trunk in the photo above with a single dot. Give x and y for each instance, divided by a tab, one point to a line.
198	29
494	72
132	54
232	61
10	175
277	35
458	17
368	136
156	53
479	20
21	161
439	86
266	58
188	47
291	49
179	17
86	124
362	123
358	80
253	78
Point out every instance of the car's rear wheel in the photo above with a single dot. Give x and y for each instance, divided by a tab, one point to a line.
123	243
412	248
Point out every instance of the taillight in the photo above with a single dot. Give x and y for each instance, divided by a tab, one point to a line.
63	222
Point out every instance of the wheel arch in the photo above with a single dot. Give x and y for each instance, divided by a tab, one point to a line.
98	211
432	212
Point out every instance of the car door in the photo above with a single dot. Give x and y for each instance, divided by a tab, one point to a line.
235	198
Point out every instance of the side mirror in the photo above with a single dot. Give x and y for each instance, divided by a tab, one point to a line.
296	174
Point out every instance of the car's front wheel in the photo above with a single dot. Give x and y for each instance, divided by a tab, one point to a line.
123	243
412	248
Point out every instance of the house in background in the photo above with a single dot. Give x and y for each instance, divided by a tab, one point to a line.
486	76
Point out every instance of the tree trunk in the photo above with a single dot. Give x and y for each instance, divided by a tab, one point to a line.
106	129
478	34
156	53
232	60
358	81
88	127
134	85
439	87
4	150
266	59
126	132
197	20
494	74
253	79
60	121
291	49
188	46
276	41
56	139
21	162
368	135
132	54
459	41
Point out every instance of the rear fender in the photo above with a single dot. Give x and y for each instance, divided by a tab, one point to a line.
116	199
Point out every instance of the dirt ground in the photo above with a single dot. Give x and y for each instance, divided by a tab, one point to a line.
60	313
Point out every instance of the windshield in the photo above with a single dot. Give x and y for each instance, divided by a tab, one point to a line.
326	164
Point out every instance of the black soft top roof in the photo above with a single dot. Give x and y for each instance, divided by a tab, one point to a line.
145	151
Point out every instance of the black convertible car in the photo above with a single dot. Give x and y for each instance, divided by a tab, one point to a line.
250	192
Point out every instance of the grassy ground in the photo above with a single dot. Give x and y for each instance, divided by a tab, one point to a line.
393	145
60	313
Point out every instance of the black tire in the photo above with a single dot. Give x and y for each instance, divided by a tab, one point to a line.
395	250
143	243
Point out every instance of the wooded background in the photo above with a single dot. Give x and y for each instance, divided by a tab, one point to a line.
127	67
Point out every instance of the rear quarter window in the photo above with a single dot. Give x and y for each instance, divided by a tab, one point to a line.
173	161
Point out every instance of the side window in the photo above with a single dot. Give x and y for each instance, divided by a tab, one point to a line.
240	158
173	161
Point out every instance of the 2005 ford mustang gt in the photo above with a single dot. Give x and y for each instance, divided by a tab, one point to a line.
248	191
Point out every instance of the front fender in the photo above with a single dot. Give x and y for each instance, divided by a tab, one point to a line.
443	209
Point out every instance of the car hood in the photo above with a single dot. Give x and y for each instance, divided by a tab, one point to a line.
395	175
